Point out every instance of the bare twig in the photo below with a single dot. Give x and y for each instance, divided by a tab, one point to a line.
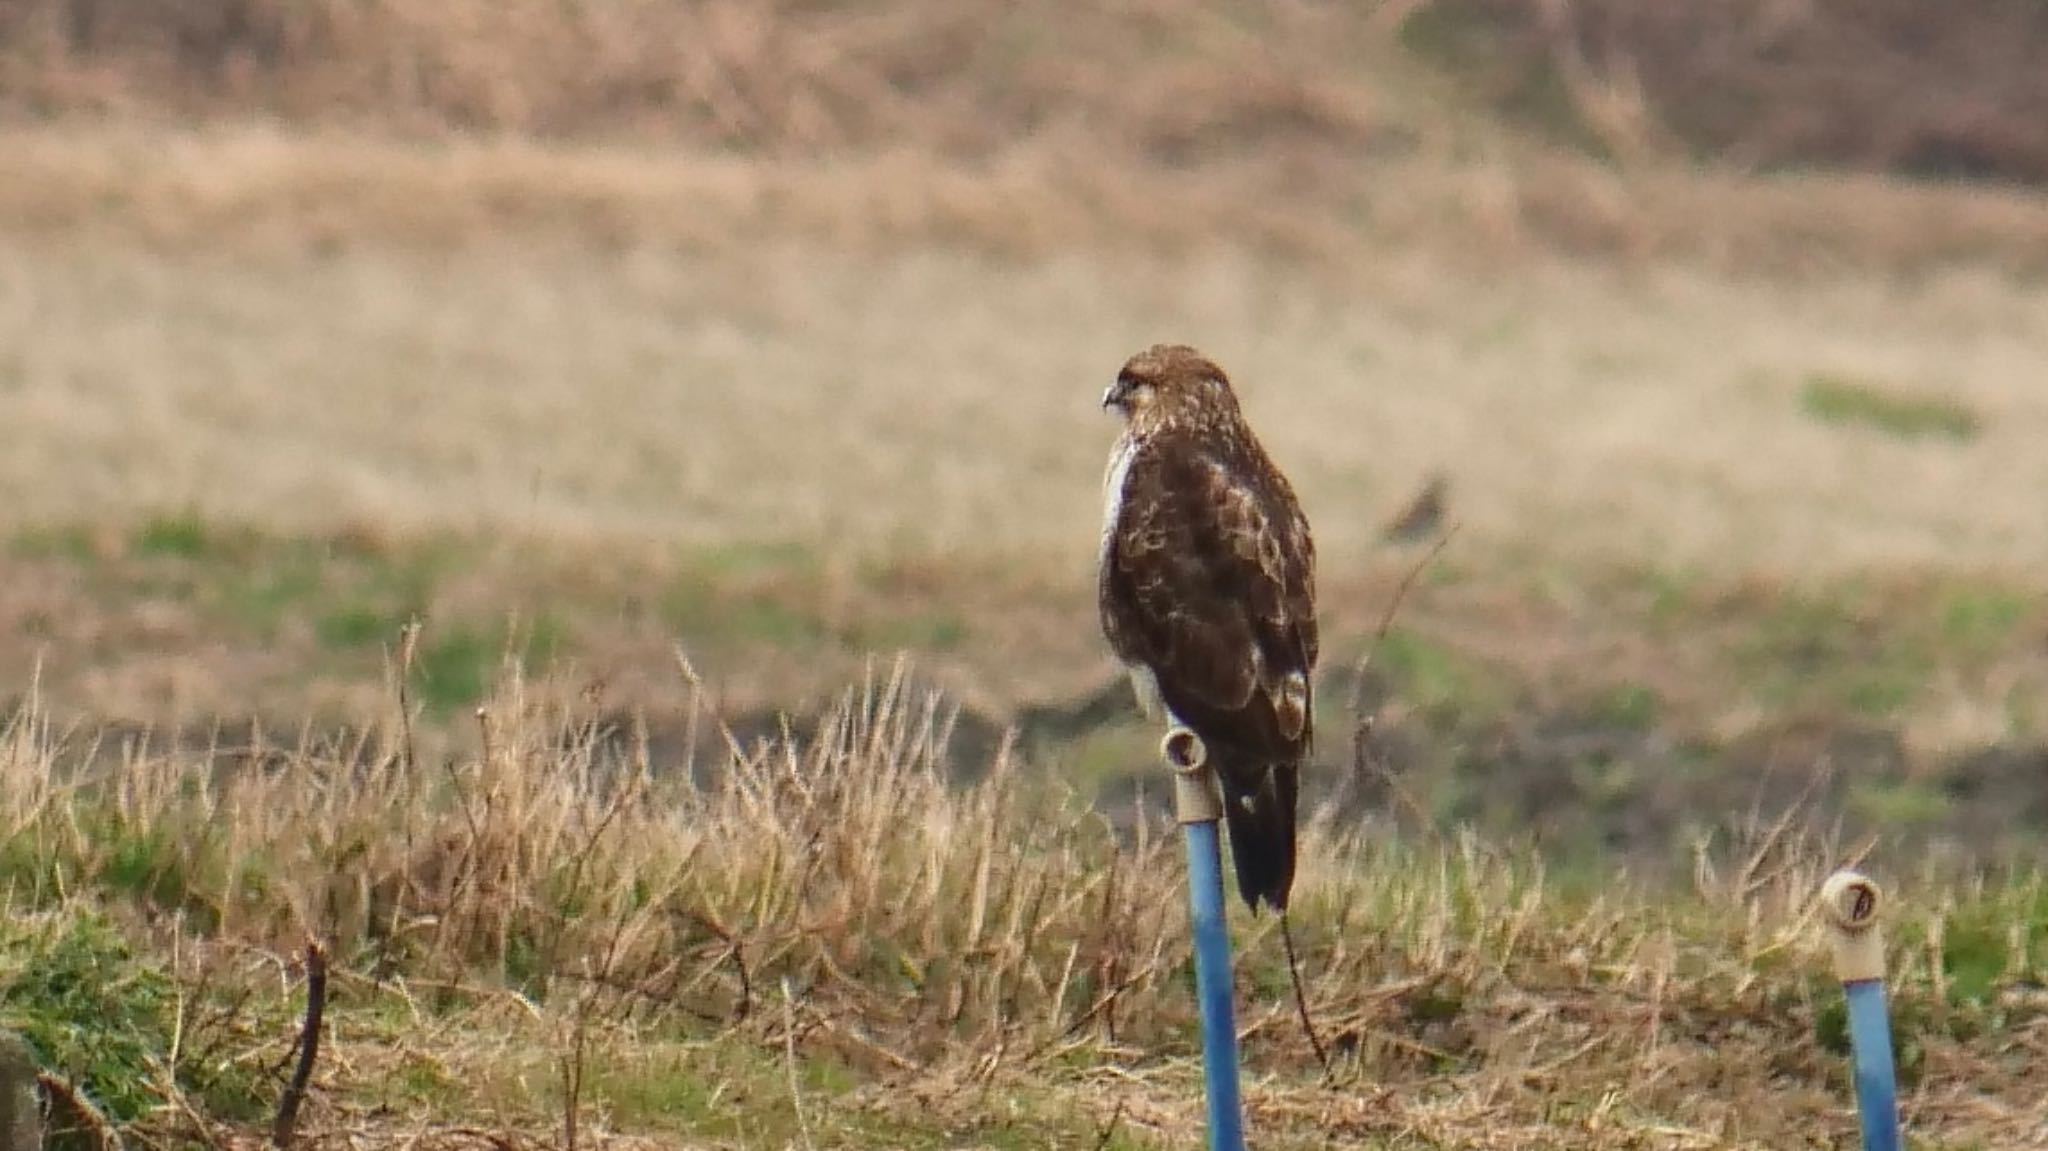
1379	634
1095	1010
1362	725
408	650
1308	1028
1108	1132
572	1071
735	952
796	1096
309	1047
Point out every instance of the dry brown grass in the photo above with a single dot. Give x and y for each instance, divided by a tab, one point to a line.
936	399
952	956
768	77
1875	86
1474	198
1890	85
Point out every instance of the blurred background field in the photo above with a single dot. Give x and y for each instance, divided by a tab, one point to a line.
698	354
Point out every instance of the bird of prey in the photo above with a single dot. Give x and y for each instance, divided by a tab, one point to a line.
1207	595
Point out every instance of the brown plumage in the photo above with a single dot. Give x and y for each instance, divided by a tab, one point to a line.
1207	594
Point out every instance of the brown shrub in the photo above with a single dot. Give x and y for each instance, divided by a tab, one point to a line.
1876	85
958	78
1890	85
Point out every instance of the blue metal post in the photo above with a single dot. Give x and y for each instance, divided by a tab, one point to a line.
1852	903
1870	1035
1213	986
1198	806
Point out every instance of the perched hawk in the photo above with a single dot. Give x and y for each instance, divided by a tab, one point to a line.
1207	594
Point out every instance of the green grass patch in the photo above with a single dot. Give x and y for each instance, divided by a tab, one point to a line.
458	662
1840	400
1630	706
262	582
1674	595
179	535
95	1012
701	613
152	866
1112	754
934	632
1449	688
278	583
349	591
1900	805
359	625
747	595
1978	623
1832	649
742	560
73	542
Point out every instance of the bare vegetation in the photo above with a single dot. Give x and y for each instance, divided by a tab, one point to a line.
1892	86
1327	133
948	956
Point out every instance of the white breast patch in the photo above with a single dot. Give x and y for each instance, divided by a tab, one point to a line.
1113	486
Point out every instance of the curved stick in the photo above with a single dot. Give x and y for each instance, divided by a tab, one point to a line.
1198	805
1852	903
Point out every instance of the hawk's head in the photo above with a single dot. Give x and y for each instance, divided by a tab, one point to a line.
1166	379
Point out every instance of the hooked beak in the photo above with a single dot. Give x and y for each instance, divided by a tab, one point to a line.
1116	394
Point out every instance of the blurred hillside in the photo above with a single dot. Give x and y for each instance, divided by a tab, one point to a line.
1875	85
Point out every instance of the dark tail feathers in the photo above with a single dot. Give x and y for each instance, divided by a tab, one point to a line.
1262	833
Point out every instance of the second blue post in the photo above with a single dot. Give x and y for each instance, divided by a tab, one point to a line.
1870	1037
1854	906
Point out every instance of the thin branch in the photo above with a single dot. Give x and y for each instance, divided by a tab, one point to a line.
1362	725
309	1047
1379	634
796	1097
1108	1132
572	1072
408	650
733	946
1308	1028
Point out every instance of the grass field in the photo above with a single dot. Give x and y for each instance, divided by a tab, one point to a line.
829	945
670	440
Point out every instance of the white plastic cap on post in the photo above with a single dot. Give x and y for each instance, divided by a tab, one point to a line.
1853	902
1196	798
